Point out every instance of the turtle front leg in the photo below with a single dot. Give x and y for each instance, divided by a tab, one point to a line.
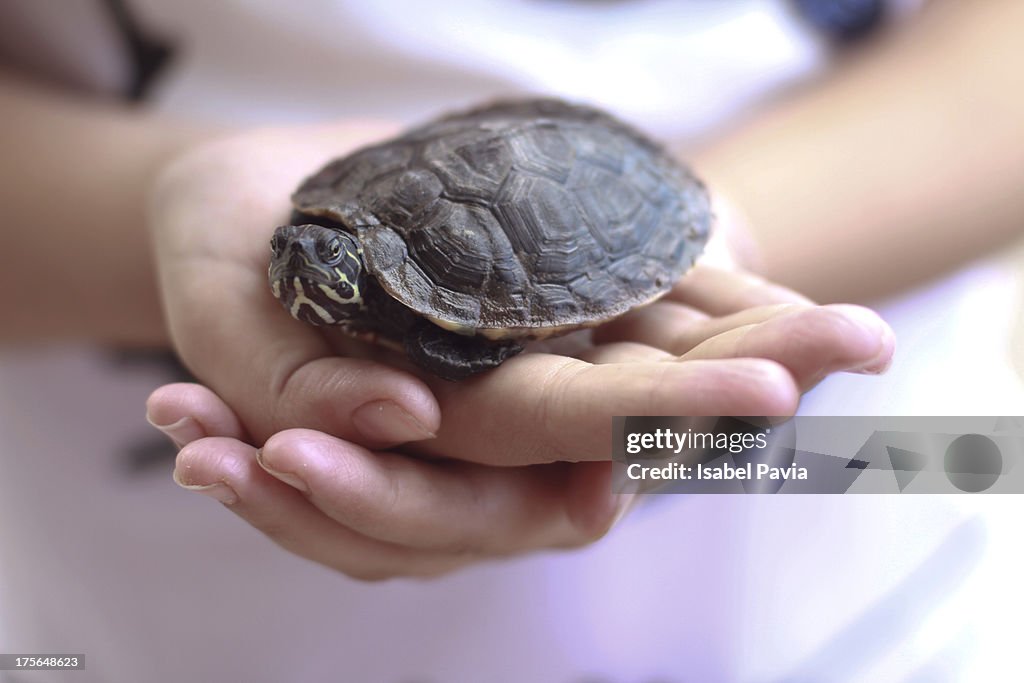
453	356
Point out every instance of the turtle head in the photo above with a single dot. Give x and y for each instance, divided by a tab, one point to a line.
317	273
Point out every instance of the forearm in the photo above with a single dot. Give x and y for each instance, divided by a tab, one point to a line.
74	178
906	163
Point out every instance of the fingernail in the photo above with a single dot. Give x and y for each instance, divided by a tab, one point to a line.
219	490
878	364
287	477
389	422
184	431
871	322
883	359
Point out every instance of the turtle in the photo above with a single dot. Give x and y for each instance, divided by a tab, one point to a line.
461	239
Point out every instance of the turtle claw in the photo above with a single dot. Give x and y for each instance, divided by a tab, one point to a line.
454	356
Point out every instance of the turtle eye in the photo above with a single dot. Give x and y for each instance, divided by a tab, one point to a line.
276	245
332	250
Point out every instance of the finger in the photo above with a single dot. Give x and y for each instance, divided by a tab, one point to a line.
186	412
810	342
278	372
543	408
624	352
677	328
226	470
720	292
456	507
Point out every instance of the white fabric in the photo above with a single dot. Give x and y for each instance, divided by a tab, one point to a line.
157	584
662	63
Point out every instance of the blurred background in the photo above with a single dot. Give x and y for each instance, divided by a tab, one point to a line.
873	150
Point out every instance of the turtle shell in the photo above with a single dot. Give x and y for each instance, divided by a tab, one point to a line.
517	219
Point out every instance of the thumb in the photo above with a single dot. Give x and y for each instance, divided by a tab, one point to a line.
356	399
278	373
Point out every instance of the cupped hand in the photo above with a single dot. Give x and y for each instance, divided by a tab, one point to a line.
725	343
376	515
722	342
212	216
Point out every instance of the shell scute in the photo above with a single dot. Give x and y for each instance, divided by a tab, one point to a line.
521	218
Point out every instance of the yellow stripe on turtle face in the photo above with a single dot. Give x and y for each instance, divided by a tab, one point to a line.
333	295
301	298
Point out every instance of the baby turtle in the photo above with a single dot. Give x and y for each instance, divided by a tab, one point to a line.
465	237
